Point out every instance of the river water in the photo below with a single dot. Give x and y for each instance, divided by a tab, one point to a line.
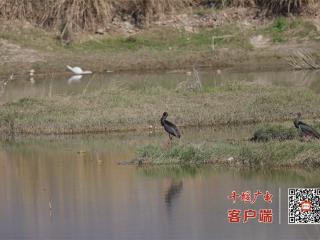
49	85
73	188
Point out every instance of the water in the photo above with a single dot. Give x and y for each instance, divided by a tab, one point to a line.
53	84
73	188
50	191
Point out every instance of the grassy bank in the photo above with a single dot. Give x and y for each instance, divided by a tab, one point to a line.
247	44
273	154
119	107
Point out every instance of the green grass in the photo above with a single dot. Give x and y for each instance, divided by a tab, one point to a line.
176	153
167	39
284	30
280	26
273	154
31	37
155	39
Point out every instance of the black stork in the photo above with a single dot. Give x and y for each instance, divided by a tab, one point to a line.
306	130
169	127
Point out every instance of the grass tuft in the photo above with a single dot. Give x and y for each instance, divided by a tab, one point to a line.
273	154
274	132
185	154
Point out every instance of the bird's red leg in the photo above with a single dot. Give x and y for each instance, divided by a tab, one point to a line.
167	143
304	137
170	140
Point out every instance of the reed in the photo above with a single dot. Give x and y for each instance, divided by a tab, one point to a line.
89	14
284	7
85	14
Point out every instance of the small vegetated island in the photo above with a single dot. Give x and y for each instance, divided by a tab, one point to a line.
272	146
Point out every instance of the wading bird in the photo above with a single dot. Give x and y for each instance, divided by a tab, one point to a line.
78	70
306	130
169	127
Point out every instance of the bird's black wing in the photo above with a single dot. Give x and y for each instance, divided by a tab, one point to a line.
306	129
171	128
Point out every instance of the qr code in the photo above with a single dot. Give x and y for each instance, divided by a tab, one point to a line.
303	206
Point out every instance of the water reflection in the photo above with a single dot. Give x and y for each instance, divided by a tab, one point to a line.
175	172
173	192
75	79
300	177
50	191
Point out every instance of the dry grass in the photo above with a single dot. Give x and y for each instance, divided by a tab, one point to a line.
303	60
79	13
89	14
230	3
123	108
284	7
85	14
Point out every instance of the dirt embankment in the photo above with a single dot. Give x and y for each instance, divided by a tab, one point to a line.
232	37
13	53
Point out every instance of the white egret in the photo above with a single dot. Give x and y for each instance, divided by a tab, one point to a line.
78	70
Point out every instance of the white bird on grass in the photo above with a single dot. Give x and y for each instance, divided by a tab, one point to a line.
78	70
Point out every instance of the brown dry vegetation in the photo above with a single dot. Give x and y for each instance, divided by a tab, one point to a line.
88	14
285	6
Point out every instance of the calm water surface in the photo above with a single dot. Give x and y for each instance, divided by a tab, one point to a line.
49	191
66	85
